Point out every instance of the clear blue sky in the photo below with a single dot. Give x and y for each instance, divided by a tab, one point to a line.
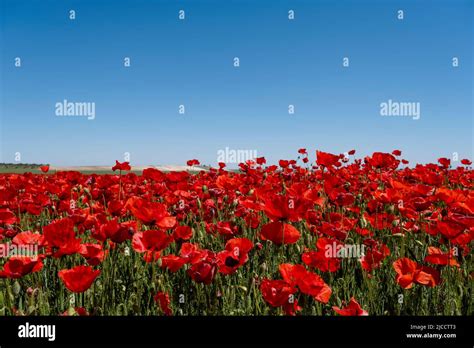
190	62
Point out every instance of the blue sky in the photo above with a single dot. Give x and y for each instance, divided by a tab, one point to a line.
190	62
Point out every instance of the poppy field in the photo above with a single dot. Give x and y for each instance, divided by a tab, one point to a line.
338	235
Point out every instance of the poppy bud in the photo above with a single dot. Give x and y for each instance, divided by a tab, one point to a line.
244	288
204	189
10	233
71	311
263	267
16	288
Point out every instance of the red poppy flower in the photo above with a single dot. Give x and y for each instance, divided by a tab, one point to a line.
121	166
60	235
203	271
163	300
437	257
115	231
224	228
326	258
466	162
44	169
409	273
191	251
280	207
280	233
308	283
279	293
125	232
396	153
17	267
172	262
326	159
445	162
383	160
352	309
150	240
449	228
79	278
406	270
93	253
27	238
234	255
283	163
374	256
428	276
182	233
150	212
193	162
319	260
115	207
7	217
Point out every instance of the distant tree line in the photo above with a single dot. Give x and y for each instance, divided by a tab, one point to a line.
21	165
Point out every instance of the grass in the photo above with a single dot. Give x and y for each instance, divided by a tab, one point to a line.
127	283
